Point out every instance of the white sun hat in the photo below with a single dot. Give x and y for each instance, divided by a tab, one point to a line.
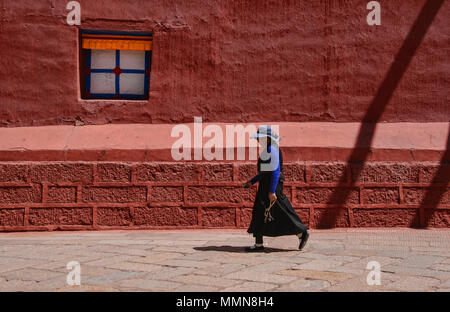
265	131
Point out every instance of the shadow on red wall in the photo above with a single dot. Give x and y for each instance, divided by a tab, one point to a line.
373	115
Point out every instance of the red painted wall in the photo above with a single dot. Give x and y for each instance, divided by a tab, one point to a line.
229	61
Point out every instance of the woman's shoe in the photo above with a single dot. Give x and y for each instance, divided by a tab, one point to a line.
303	240
254	248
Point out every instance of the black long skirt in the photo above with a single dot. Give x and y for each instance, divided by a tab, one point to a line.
285	220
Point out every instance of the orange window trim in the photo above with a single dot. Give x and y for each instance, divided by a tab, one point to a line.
118	44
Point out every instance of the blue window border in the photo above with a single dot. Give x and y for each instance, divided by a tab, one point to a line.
117	95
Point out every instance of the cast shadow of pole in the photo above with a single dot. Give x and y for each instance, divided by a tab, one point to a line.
361	150
433	196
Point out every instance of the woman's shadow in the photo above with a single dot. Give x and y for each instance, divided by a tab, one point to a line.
227	248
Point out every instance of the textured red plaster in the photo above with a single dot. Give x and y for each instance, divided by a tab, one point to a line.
385	217
430	173
226	61
117	216
246	171
328	172
322	195
327	217
20	194
415	195
245	216
114	194
369	217
304	215
380	195
60	216
217	172
381	204
440	218
218	217
166	172
62	172
13	173
166	194
385	172
57	194
165	216
11	217
111	172
287	190
294	172
220	194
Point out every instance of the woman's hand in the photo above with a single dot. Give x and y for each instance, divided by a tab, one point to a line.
272	197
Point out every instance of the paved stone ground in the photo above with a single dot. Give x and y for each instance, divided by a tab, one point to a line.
214	260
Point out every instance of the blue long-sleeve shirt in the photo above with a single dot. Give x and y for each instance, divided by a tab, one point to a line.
275	174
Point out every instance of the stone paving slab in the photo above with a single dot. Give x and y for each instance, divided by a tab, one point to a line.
215	260
220	270
251	286
304	285
133	266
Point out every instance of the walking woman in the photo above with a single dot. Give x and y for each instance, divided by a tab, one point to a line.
272	213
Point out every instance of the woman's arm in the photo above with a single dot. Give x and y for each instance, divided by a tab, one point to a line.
254	179
251	182
275	174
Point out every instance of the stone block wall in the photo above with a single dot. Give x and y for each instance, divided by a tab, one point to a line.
160	195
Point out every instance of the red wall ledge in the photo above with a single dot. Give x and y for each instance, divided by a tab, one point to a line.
315	141
40	191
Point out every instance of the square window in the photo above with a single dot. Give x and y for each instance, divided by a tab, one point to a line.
115	65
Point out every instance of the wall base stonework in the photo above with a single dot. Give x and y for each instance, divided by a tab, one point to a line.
37	196
123	177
